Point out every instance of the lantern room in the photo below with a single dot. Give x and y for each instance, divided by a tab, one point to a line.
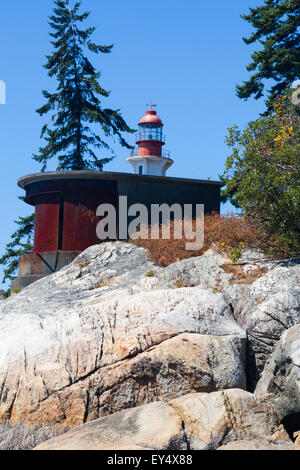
150	138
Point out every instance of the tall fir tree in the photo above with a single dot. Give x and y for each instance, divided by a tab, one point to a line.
73	138
277	30
77	114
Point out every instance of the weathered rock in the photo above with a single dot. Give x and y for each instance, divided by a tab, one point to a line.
22	437
279	384
153	426
213	419
104	333
256	444
195	421
265	310
296	435
98	336
215	273
172	368
264	295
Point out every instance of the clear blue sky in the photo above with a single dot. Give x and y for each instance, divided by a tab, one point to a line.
186	56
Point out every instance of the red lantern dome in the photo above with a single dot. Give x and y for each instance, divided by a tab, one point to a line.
151	118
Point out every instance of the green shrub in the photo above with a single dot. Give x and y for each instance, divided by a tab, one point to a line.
150	273
262	177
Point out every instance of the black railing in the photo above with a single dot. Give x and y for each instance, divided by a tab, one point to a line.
135	153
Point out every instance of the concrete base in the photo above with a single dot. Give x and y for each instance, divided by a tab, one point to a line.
35	266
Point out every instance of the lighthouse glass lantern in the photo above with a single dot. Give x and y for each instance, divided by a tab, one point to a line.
149	158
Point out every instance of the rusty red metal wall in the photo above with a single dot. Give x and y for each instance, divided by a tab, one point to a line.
46	223
65	213
80	220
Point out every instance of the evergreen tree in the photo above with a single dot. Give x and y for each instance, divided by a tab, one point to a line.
73	138
19	245
262	176
276	24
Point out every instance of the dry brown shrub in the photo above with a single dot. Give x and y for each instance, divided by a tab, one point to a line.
217	289
239	276
103	283
228	229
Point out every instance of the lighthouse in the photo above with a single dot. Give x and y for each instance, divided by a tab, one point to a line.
149	158
66	202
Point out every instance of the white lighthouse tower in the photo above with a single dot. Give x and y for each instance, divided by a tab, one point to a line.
149	158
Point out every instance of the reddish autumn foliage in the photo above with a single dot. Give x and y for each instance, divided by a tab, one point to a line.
221	233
